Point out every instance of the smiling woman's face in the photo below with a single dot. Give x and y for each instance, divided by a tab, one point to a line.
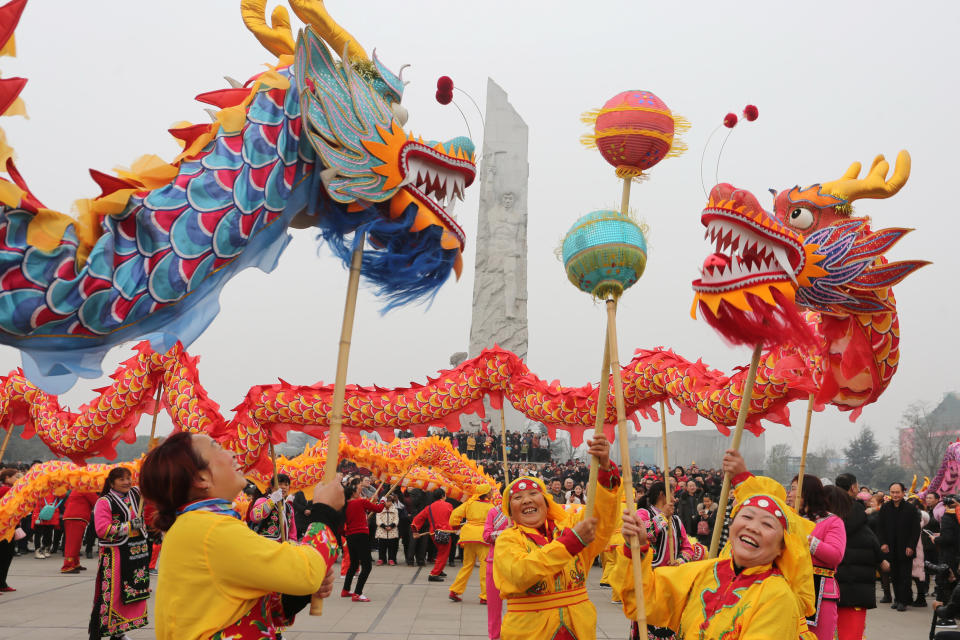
122	484
223	477
756	537
528	507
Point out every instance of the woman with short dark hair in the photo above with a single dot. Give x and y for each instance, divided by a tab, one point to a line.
357	532
827	544
122	586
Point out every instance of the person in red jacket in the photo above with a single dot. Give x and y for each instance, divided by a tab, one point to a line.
357	531
437	516
43	529
76	516
7	478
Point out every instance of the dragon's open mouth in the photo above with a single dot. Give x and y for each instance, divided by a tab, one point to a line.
436	177
752	248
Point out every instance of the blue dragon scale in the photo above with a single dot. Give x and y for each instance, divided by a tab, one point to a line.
316	141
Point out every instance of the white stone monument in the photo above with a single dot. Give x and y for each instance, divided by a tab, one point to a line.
500	278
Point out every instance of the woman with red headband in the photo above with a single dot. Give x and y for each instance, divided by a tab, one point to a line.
761	586
541	562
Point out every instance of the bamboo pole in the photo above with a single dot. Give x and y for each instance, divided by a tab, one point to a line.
737	435
340	384
6	441
625	197
503	441
343	357
666	479
602	392
626	471
803	454
397	483
663	433
151	443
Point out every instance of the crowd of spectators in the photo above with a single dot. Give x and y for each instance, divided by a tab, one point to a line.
911	542
525	446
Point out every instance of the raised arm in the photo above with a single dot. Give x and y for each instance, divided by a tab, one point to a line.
267	566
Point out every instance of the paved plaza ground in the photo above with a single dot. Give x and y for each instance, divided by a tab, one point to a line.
405	606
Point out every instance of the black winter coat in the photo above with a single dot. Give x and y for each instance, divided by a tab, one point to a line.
949	541
929	545
899	529
687	510
856	573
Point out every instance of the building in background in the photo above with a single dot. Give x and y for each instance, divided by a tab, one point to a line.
924	441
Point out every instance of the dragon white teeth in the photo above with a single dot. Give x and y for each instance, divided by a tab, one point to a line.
781	256
442	184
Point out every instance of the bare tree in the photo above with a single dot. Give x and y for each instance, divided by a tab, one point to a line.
778	462
819	462
930	438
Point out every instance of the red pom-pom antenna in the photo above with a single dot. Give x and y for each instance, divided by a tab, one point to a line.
730	120
444	90
750	112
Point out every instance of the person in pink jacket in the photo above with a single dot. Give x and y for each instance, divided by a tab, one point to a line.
827	544
495	524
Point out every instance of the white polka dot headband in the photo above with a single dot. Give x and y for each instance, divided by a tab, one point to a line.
522	484
769	505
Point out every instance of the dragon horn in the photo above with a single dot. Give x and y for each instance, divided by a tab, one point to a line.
277	38
875	185
315	14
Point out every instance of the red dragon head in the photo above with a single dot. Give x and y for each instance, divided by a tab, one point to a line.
810	252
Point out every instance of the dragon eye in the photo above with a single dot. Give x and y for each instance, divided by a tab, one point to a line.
800	218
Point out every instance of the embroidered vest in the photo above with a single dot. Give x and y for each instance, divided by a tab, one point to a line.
269	527
121	511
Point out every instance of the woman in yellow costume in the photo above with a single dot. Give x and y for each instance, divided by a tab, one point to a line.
540	564
218	579
761	586
474	511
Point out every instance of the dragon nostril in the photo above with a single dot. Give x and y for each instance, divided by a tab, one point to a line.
716	260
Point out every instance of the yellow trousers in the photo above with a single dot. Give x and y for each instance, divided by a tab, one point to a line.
607	560
610	559
472	551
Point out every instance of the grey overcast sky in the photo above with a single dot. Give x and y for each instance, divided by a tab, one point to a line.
834	82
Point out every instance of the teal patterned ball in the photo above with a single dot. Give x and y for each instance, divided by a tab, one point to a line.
604	253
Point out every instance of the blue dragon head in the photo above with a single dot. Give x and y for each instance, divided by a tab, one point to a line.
398	189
